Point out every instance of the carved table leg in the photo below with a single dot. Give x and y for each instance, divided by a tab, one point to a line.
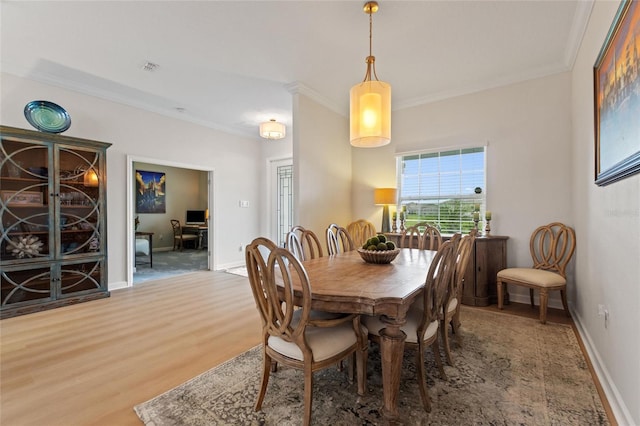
391	351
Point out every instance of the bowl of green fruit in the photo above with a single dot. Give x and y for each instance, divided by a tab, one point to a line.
378	250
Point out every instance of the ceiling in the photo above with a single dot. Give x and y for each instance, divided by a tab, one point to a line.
229	65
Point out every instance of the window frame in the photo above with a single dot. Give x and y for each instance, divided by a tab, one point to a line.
465	216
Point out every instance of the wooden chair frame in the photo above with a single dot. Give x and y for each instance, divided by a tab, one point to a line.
338	240
360	231
552	247
303	243
283	320
178	237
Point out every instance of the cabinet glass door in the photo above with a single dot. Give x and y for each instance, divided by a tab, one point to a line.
24	201
79	174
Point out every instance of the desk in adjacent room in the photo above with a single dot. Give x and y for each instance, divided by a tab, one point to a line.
200	230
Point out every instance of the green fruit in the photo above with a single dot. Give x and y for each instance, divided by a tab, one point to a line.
382	238
374	241
372	247
382	246
366	245
391	245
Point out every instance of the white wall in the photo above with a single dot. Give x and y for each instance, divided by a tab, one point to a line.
608	252
528	130
322	166
235	159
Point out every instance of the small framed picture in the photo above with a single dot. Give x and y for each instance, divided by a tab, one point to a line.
22	198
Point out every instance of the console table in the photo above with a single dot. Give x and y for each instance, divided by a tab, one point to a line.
488	256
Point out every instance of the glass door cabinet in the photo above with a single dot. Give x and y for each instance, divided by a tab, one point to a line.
53	209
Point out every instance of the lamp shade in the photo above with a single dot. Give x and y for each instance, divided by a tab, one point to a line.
272	130
384	196
370	116
90	178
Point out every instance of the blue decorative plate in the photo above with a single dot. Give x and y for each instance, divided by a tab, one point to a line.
47	116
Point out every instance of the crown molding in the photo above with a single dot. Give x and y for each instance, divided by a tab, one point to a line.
298	87
578	29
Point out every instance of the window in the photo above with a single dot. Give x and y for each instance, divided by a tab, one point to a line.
442	188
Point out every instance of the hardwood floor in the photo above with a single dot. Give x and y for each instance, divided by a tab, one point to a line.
90	363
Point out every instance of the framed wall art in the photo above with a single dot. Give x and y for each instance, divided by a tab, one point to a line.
617	98
150	192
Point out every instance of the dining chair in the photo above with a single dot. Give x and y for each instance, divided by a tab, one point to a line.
422	323
431	237
411	237
303	243
338	240
451	311
179	237
290	334
551	247
361	230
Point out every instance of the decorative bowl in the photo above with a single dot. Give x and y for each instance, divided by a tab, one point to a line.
378	256
47	116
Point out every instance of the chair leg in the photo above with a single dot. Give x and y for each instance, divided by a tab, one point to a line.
361	369
422	380
531	297
563	295
500	288
543	305
308	394
266	366
444	332
435	346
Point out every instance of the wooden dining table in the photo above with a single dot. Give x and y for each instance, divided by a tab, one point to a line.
345	283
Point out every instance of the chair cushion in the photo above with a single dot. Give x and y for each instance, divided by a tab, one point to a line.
414	317
453	305
532	276
324	342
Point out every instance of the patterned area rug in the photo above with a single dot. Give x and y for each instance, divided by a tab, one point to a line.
509	371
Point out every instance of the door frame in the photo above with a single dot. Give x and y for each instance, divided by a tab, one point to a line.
272	190
131	209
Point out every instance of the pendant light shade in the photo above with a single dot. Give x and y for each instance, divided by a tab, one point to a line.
272	130
370	103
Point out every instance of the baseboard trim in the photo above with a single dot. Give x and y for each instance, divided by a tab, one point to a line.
618	407
117	285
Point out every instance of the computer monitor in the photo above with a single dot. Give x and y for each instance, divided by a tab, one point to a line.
196	217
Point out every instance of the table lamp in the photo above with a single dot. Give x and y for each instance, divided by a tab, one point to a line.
384	197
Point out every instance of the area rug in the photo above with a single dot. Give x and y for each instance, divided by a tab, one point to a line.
170	264
509	370
240	270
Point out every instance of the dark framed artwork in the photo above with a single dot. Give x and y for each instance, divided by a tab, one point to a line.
150	192
617	98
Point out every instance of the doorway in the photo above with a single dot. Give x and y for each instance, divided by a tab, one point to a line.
151	252
281	199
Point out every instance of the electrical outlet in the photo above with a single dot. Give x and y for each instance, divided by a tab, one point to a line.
600	310
606	318
240	248
161	237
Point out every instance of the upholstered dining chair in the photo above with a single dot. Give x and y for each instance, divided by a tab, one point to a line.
551	247
291	336
179	237
451	311
338	240
361	230
303	243
423	321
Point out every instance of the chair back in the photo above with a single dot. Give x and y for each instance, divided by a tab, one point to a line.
431	238
256	258
303	243
276	305
465	246
410	237
338	240
552	247
361	230
177	229
439	276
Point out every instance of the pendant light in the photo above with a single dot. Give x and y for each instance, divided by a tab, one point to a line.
370	102
272	129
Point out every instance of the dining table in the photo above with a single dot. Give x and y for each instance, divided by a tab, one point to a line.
345	283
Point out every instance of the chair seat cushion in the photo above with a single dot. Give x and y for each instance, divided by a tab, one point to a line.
532	276
414	317
324	342
453	305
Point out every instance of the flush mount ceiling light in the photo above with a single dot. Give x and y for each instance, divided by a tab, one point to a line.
370	102
272	129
